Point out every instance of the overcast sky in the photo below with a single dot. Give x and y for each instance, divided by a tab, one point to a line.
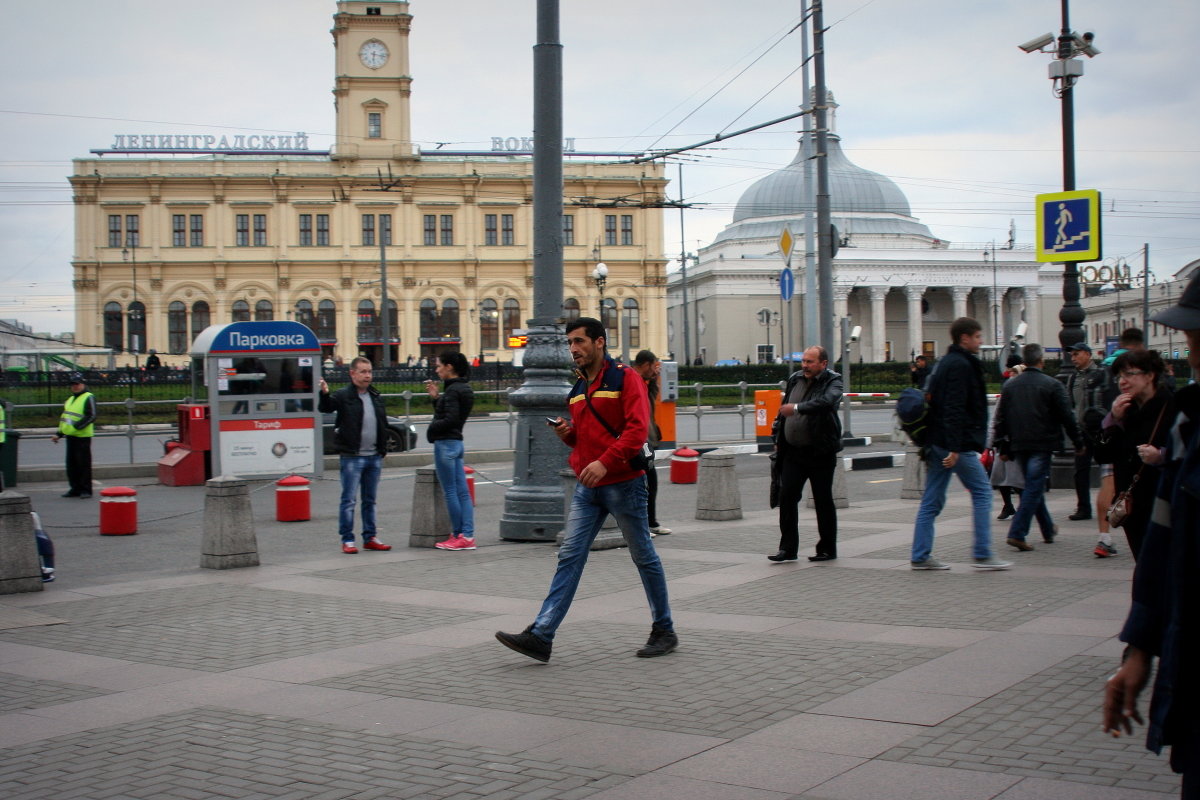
933	93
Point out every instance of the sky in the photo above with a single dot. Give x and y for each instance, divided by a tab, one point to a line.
935	94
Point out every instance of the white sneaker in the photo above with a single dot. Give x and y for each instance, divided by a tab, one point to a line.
991	562
659	530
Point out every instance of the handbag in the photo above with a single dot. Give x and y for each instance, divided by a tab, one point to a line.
644	458
1122	505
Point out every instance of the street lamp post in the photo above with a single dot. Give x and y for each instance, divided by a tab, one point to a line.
130	250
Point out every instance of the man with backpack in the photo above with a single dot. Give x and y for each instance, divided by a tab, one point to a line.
954	438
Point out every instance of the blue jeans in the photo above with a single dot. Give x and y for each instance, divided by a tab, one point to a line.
359	472
937	479
1036	466
626	501
448	461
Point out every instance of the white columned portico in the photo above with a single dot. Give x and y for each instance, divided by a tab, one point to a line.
914	295
841	302
878	322
992	331
1033	314
960	295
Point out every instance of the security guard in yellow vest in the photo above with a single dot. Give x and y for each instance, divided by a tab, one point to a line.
77	424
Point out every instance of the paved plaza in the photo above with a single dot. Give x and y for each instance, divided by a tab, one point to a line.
320	675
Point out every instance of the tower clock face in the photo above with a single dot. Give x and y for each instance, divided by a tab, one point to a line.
373	54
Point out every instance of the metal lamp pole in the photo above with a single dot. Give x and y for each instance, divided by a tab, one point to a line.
134	312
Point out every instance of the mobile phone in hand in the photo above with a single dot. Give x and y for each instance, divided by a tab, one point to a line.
553	421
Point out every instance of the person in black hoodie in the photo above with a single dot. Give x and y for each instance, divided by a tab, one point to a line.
452	405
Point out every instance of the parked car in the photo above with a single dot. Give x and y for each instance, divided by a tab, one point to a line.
401	436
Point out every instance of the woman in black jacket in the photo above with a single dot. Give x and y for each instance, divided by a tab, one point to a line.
1133	434
452	405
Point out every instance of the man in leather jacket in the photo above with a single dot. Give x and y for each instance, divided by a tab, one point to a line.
808	437
1033	409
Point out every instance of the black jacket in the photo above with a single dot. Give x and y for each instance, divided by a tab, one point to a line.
347	426
1033	407
450	410
822	403
958	401
1095	385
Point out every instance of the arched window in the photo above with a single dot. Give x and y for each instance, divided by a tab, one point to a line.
114	327
512	317
632	320
448	323
177	338
571	309
241	311
368	322
201	318
327	321
137	327
393	319
429	320
264	311
489	325
608	318
304	314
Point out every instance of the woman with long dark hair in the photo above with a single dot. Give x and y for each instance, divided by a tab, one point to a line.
452	405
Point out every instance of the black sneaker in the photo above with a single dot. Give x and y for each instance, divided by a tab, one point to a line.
526	643
1080	515
659	644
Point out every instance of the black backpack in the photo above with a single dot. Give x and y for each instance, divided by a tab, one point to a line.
912	409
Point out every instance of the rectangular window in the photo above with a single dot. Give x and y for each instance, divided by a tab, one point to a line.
114	231
506	229
490	235
322	230
131	230
306	230
374	125
626	229
368	229
430	229
242	230
447	229
197	230
385	228
260	230
610	228
568	231
178	230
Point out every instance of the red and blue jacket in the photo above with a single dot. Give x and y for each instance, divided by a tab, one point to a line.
619	395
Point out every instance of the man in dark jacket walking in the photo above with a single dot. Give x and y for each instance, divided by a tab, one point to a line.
808	437
1033	409
958	406
360	438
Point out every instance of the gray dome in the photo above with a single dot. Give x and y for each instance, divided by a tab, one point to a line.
853	192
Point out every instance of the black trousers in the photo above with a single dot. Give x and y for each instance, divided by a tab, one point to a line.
79	463
651	494
1083	482
800	467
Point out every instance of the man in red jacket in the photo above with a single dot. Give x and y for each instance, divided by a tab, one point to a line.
609	421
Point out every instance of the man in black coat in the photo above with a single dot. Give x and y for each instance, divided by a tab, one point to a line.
808	437
1033	411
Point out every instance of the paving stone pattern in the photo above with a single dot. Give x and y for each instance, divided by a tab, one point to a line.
502	572
1071	549
756	537
1047	726
223	627
715	684
998	601
18	692
216	753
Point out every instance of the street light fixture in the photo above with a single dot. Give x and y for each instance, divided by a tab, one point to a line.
134	309
600	276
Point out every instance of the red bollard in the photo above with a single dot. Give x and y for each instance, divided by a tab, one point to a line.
470	482
118	511
685	465
292	499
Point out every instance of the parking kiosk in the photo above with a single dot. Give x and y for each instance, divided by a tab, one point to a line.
261	382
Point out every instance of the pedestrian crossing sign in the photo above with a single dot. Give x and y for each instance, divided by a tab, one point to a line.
1068	226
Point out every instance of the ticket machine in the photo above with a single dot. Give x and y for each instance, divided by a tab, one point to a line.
260	381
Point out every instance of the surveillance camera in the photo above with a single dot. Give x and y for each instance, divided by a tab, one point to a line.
855	333
1083	44
1034	45
1020	334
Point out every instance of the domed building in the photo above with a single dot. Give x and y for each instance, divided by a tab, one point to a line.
891	275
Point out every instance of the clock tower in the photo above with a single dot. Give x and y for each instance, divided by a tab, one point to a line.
372	84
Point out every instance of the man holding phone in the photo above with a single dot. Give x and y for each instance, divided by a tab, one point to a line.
607	428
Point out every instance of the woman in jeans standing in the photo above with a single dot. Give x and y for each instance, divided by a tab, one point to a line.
451	407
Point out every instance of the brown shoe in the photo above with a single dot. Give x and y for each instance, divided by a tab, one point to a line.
1020	544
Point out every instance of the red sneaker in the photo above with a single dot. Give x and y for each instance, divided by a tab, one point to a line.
461	543
348	548
448	544
375	544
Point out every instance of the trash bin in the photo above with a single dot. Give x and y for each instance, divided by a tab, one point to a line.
8	459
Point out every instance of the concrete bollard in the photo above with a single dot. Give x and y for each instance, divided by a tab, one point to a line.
229	539
430	519
607	538
20	570
914	474
717	493
840	500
